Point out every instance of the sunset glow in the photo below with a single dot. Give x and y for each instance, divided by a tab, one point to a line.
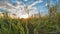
24	16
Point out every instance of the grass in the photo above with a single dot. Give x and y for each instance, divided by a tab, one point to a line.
30	25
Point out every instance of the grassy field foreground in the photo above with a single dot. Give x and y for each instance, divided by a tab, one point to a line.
42	25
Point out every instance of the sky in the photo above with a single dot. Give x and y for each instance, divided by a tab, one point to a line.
34	6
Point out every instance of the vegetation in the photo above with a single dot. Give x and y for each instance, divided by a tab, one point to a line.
41	25
31	25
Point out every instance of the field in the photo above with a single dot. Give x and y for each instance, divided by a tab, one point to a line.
42	25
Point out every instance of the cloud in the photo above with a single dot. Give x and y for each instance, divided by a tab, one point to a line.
11	7
18	2
3	1
46	4
34	3
33	10
17	8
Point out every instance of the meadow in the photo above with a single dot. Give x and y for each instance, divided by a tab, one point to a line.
42	25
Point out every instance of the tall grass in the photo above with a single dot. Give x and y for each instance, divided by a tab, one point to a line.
30	25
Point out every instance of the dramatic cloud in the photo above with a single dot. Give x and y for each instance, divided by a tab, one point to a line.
17	8
34	3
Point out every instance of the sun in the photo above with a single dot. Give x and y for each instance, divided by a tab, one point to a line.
24	16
